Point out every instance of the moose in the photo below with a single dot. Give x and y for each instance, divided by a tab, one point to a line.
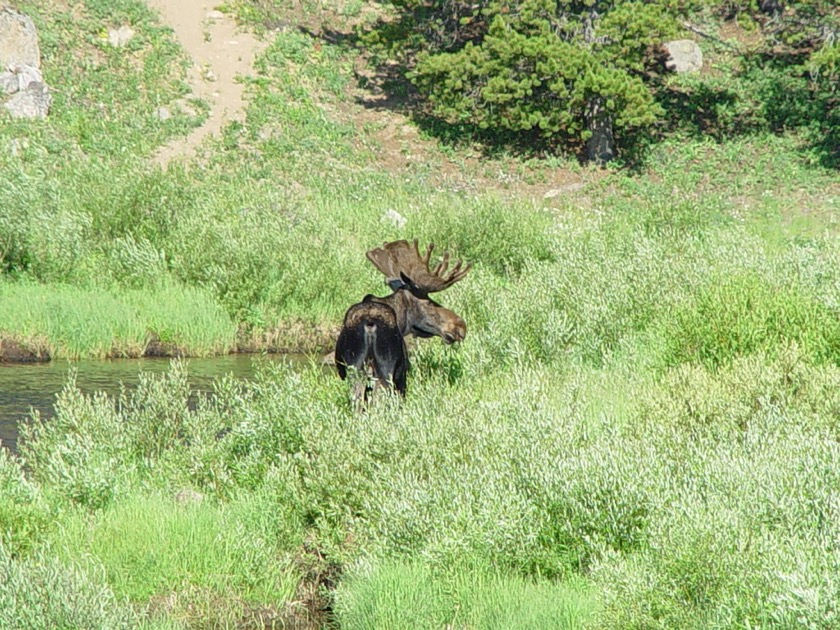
372	338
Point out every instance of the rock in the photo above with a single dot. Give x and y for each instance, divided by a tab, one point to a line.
215	14
18	40
208	75
19	77
8	83
163	113
20	57
684	56
188	496
33	102
121	36
394	217
563	190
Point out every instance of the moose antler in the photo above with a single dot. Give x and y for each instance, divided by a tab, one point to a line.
400	258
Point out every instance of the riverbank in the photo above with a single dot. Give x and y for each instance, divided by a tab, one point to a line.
40	323
296	338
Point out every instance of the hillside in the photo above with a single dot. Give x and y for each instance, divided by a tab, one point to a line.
639	429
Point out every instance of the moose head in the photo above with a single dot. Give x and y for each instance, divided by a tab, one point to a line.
372	339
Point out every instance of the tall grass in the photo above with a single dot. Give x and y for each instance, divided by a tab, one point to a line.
400	595
640	429
274	225
699	495
41	593
73	322
151	546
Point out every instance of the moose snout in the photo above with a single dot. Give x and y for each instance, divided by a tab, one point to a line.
456	332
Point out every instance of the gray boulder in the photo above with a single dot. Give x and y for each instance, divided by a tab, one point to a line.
33	102
684	56
20	62
19	77
18	40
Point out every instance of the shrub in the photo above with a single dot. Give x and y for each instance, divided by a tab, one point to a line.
39	593
79	453
24	515
536	68
743	314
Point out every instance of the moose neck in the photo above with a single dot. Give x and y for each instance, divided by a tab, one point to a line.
401	301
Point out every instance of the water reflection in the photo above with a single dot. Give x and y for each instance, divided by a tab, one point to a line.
24	387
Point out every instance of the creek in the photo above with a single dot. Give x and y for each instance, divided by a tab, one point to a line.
25	387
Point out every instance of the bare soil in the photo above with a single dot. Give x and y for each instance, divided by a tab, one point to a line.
16	351
221	53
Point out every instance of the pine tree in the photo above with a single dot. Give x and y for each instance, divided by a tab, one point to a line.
570	71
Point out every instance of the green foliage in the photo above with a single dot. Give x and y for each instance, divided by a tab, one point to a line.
742	315
104	97
402	595
39	593
533	67
530	473
503	237
71	322
69	454
784	78
151	545
24	515
646	401
727	552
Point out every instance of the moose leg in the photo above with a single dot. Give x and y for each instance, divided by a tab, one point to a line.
390	358
350	350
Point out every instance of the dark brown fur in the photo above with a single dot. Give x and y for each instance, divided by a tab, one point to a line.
372	339
371	342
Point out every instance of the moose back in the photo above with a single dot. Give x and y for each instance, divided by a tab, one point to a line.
372	338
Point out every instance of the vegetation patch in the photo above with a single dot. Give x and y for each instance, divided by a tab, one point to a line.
393	594
639	430
739	316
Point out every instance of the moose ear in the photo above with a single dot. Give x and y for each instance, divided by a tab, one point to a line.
398	283
409	284
403	282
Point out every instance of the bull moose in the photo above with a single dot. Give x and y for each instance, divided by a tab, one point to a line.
372	339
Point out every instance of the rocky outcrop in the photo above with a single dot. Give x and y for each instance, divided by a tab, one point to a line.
684	56
22	87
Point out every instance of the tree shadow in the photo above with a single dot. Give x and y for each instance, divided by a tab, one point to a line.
701	110
773	93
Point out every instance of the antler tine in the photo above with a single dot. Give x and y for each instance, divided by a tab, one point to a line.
424	259
401	259
458	273
442	266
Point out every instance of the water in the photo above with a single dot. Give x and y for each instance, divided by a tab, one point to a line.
33	386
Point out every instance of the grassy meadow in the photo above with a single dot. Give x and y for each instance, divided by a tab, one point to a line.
641	429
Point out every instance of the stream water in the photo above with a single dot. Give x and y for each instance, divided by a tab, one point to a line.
31	386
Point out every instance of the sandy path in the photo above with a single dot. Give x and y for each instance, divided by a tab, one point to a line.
220	52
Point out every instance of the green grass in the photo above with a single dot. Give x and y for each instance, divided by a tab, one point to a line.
73	322
401	595
41	593
275	242
677	501
640	429
150	546
741	315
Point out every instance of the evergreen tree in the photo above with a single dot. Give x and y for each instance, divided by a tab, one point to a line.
568	71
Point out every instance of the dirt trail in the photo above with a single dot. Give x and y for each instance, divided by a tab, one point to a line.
220	52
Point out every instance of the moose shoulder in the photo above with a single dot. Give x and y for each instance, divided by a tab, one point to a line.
372	338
